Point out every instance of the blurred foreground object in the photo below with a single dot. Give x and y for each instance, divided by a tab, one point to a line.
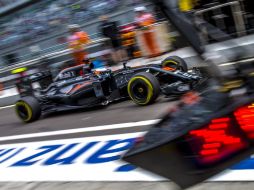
187	5
198	140
212	128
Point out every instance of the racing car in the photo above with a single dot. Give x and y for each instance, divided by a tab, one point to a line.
84	87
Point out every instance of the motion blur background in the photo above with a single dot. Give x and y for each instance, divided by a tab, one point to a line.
44	23
33	36
32	28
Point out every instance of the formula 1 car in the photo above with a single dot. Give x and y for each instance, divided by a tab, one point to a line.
84	87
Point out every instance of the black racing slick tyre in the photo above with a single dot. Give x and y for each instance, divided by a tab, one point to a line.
28	109
174	63
143	88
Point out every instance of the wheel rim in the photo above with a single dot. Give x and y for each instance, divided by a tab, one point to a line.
24	111
140	90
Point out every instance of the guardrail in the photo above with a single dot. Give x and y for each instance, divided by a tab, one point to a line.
52	49
48	56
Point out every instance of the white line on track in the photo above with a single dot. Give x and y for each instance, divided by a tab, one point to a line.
5	107
80	130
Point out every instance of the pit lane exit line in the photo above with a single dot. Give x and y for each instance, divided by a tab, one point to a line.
81	130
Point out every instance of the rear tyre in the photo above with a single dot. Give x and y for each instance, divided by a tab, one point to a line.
28	109
143	88
174	63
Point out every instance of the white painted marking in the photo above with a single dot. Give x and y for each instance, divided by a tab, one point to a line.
66	162
80	130
5	107
86	118
234	176
101	167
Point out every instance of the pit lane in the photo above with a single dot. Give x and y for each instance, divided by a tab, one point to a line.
116	113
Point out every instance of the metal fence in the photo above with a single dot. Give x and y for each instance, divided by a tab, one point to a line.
227	17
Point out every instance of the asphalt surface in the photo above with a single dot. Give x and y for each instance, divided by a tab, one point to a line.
116	113
123	186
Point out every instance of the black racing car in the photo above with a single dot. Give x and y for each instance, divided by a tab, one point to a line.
84	87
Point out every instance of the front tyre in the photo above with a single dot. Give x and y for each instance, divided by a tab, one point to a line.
143	88
28	109
173	63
